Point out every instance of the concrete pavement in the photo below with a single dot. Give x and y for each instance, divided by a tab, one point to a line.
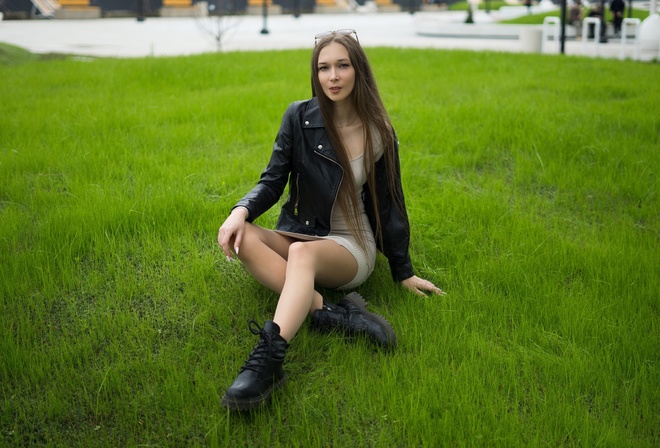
160	36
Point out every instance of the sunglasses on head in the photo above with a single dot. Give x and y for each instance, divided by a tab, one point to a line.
343	32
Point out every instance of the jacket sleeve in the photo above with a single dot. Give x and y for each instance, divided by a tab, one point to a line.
274	178
394	222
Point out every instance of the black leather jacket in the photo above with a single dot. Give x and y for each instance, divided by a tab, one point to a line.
303	157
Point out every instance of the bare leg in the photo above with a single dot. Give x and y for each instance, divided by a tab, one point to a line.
264	254
292	269
310	262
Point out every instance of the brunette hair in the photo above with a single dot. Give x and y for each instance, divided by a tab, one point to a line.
375	119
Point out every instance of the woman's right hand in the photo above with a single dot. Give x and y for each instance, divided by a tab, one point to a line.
231	231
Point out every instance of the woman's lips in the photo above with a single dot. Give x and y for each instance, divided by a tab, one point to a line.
335	89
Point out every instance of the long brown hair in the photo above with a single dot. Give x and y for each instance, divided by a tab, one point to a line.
375	119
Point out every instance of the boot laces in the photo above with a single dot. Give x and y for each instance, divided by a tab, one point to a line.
261	352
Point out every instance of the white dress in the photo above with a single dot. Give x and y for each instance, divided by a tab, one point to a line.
339	231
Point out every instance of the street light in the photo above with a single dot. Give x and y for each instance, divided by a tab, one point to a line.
603	24
264	30
562	38
141	10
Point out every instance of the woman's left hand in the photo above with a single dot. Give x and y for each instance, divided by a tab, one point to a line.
419	285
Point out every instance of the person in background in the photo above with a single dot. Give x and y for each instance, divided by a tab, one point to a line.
594	12
575	18
617	8
339	155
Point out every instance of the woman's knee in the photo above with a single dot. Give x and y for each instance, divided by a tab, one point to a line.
256	240
299	252
250	241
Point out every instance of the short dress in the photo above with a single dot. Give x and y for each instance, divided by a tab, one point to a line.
339	231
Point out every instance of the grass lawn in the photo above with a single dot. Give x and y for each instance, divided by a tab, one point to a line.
537	19
491	5
532	187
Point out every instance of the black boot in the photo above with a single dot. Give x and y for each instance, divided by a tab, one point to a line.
351	317
262	372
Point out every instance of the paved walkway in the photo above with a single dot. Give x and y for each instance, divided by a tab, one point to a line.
126	37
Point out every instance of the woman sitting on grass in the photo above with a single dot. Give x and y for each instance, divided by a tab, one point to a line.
339	154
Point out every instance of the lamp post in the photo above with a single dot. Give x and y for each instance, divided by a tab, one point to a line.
470	17
562	38
141	10
264	30
603	24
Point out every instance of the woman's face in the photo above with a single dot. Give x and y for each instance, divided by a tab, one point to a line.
336	72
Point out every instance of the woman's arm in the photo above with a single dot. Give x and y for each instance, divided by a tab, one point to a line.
265	194
274	178
396	234
395	229
230	234
419	285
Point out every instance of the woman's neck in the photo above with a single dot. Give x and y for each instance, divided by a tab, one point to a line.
344	115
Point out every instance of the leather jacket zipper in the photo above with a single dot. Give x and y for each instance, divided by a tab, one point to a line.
295	206
334	200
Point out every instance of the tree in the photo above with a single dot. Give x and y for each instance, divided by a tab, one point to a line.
217	18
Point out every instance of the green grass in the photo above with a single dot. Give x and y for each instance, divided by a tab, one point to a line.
532	186
12	55
493	5
537	19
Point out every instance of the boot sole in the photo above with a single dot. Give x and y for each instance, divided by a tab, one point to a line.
357	300
250	404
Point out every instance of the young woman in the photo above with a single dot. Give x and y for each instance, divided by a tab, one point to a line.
339	155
